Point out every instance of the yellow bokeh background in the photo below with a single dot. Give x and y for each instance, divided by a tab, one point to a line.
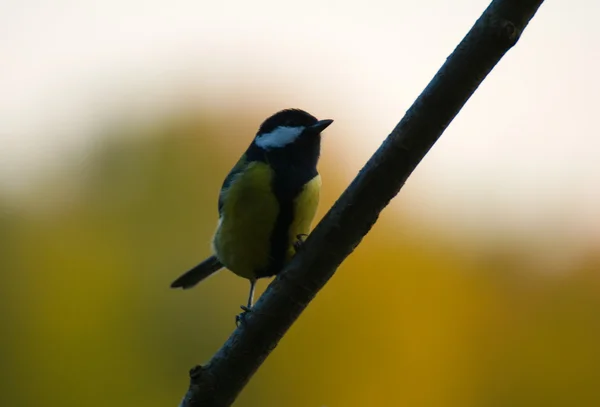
479	286
411	318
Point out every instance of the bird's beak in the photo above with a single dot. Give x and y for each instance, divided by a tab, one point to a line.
321	125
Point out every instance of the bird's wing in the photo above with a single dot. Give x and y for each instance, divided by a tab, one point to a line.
237	168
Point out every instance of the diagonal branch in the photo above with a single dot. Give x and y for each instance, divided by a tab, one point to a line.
218	383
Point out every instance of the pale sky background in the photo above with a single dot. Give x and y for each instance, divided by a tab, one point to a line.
523	154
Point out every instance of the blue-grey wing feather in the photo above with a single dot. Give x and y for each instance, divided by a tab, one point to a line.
238	167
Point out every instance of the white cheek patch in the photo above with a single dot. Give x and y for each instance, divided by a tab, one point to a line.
280	137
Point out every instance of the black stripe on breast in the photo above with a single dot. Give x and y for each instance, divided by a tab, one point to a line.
286	189
292	171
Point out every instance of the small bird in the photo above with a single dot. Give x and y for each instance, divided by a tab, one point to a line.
267	202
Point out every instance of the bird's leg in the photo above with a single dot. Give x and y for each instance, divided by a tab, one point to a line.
250	296
300	241
240	318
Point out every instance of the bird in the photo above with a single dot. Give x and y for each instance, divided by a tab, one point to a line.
267	202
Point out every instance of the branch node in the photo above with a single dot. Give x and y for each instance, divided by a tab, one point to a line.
505	31
196	372
510	31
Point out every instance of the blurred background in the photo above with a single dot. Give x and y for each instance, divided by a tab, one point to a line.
479	285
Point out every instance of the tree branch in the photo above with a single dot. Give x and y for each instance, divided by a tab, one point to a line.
218	383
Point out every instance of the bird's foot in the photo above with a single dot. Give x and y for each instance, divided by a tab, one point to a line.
240	319
300	241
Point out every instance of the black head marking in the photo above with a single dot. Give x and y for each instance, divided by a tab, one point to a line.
287	118
290	138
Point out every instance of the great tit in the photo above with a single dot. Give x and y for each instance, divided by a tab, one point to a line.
267	202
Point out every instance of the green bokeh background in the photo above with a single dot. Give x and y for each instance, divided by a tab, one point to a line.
411	318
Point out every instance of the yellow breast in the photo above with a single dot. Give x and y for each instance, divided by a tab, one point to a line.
305	208
242	241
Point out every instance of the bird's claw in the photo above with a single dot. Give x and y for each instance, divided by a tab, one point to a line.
240	319
300	241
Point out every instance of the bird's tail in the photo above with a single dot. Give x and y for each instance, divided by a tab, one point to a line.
198	273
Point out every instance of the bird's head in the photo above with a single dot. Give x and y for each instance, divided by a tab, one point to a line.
291	130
